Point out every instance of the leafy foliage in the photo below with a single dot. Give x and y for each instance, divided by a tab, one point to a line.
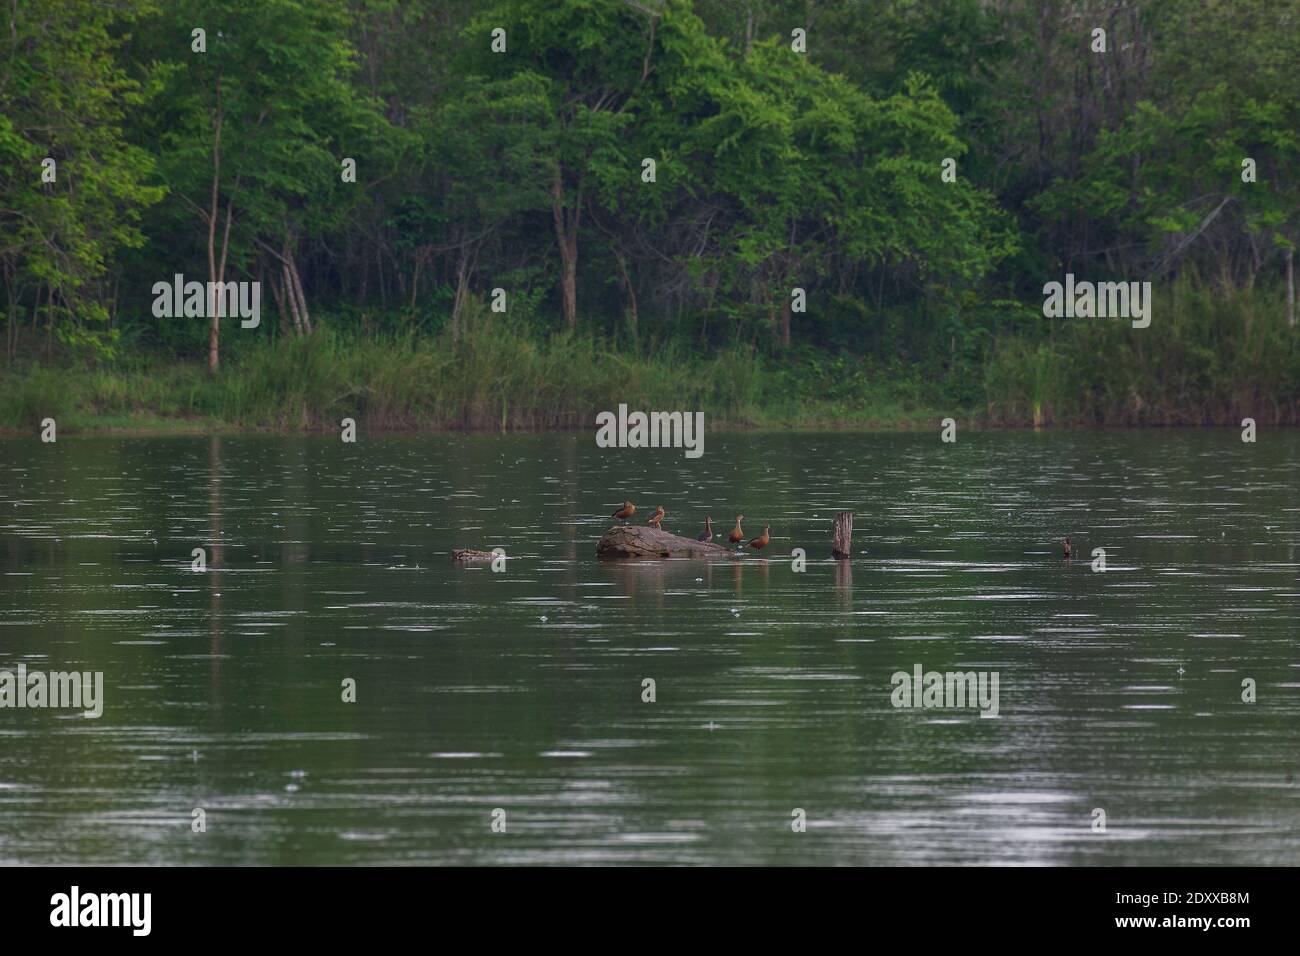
504	145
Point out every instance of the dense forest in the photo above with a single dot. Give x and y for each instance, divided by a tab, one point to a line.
511	213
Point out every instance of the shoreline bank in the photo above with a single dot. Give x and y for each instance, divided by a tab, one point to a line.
166	428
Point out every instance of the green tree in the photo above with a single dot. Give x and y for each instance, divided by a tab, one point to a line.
253	131
63	99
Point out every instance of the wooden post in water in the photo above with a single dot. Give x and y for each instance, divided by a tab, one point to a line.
842	547
844	584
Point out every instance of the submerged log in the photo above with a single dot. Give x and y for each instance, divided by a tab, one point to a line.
472	554
641	541
842	546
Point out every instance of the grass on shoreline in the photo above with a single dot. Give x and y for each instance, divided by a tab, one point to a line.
1206	360
310	384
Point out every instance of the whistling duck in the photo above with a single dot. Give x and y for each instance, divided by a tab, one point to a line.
657	517
707	534
625	512
1065	545
759	543
737	535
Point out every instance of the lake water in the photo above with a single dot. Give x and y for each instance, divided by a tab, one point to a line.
521	691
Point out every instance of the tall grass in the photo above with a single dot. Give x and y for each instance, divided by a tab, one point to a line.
490	379
1206	359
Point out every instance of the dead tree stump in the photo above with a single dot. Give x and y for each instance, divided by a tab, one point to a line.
640	541
842	546
472	554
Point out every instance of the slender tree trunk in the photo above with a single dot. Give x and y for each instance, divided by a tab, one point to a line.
1290	287
214	210
280	307
261	273
217	301
291	297
49	323
302	298
788	268
633	320
772	288
12	301
785	322
462	291
421	256
569	256
112	301
566	234
365	279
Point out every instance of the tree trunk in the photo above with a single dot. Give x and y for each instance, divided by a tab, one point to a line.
278	294
214	210
365	280
112	305
217	272
566	234
785	322
291	297
49	323
569	282
472	554
422	256
302	298
633	319
10	314
641	541
1290	287
36	314
462	292
842	546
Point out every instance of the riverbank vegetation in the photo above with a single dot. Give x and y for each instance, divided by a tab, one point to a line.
778	212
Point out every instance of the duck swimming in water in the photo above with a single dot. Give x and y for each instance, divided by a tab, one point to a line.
737	536
657	517
625	512
759	543
707	534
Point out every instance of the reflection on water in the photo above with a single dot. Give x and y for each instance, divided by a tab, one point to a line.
523	690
